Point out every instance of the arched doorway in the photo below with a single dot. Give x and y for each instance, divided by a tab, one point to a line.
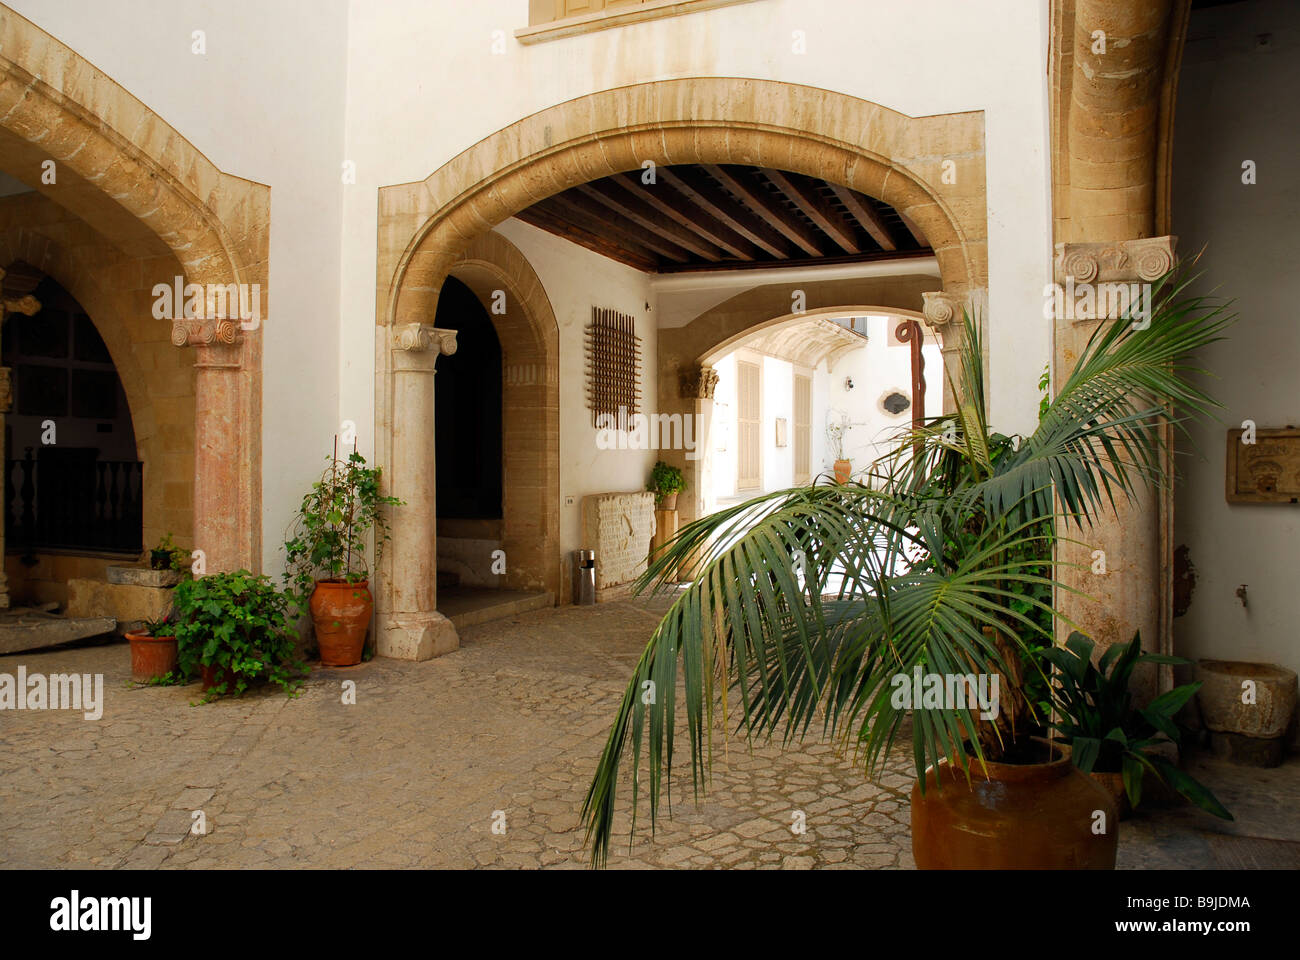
144	209
74	482
425	227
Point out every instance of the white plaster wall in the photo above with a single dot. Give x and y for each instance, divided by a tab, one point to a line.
575	280
1236	103
723	437
778	401
423	85
264	102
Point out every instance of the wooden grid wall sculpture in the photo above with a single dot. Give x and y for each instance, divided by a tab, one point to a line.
613	366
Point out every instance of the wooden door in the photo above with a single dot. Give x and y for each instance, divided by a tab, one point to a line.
748	421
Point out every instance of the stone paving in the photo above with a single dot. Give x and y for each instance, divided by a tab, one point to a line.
414	773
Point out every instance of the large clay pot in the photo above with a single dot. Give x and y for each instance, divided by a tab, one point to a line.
211	675
843	470
341	612
1018	817
1113	783
151	657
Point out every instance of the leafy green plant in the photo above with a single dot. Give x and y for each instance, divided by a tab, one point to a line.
236	623
334	525
665	480
164	627
168	556
1106	732
939	562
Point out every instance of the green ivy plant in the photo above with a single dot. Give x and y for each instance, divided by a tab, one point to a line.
331	532
238	623
665	480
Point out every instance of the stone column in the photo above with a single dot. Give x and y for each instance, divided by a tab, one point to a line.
6	402
696	385
1126	597
413	629
220	443
943	313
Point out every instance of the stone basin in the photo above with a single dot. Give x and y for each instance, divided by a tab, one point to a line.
1224	686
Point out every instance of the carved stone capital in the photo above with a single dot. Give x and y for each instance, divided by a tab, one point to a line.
943	311
697	383
1120	261
194	332
424	337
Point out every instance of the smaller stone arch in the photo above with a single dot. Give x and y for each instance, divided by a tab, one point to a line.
529	336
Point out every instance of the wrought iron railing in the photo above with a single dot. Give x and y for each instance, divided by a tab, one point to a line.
68	500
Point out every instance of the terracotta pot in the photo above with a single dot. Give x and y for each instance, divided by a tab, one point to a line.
669	502
1019	817
843	470
341	612
151	657
212	675
1113	783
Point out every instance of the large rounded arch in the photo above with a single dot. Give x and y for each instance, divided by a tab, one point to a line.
930	169
128	175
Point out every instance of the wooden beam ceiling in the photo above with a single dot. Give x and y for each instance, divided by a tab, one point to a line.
710	216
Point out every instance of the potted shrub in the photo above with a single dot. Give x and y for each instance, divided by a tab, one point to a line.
1110	738
232	630
666	482
926	572
835	436
168	556
326	555
153	650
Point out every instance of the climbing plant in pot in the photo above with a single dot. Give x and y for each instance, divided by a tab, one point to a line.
835	603
339	519
666	481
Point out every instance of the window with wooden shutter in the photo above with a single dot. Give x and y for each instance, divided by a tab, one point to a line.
748	421
802	428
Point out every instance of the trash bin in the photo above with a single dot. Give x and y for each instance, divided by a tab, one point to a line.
584	577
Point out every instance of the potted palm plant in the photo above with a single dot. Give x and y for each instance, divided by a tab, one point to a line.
939	567
327	566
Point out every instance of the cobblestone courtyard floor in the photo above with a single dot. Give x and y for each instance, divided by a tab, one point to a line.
411	775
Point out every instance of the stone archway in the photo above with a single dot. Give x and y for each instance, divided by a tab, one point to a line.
930	169
141	185
529	335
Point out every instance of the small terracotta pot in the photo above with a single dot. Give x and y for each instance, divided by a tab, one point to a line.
669	502
151	657
1017	817
1113	783
340	611
843	470
212	675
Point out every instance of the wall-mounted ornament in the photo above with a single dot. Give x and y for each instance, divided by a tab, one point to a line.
1266	471
782	436
613	367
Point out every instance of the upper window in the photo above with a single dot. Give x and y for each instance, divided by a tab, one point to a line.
552	19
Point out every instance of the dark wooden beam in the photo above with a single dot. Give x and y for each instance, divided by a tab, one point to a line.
873	257
695	186
597	244
818	210
773	213
595	217
624	203
861	211
679	208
